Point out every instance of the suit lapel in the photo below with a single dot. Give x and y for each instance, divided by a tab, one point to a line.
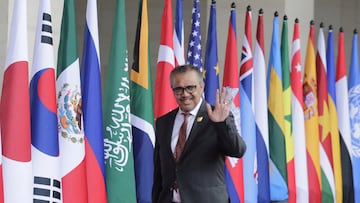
170	125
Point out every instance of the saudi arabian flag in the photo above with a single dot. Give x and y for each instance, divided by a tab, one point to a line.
118	150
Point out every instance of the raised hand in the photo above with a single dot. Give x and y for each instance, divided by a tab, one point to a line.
222	106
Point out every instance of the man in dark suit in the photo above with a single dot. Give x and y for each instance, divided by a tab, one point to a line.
189	167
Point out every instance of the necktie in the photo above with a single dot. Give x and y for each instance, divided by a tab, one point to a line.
182	138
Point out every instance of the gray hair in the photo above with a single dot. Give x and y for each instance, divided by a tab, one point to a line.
184	69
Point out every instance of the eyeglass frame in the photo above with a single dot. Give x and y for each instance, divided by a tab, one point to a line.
180	90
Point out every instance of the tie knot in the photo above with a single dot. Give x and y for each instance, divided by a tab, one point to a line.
186	114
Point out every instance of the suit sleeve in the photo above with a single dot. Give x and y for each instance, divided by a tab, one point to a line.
156	189
231	142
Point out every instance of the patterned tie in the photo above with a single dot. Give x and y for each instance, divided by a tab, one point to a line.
182	138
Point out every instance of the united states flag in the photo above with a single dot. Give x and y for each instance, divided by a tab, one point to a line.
194	55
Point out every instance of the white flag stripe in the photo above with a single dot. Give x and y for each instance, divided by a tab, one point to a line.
144	126
342	106
91	16
260	100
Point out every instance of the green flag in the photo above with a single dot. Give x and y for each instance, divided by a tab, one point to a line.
289	143
69	102
142	112
120	179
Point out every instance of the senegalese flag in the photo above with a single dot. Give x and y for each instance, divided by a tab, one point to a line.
211	69
69	107
234	166
331	72
247	117
44	124
289	141
142	116
118	141
261	118
342	106
278	172
15	112
326	157
354	106
297	103
311	121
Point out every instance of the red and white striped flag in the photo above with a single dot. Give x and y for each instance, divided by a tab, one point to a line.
15	112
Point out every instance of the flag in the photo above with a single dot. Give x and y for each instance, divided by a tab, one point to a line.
69	109
289	141
326	157
342	106
179	34
15	112
278	175
354	105
331	78
44	123
297	117
311	121
234	166
211	59
194	54
261	118
165	64
92	107
1	174
142	116
247	116
118	145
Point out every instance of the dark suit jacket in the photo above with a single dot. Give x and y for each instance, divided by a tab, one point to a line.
200	170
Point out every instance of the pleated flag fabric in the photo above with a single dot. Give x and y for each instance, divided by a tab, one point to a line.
69	107
142	116
261	118
15	112
92	108
311	120
234	166
326	157
118	140
278	172
165	64
288	133
354	105
211	59
247	117
297	106
44	138
342	106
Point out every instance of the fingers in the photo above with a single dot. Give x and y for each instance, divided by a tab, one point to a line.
225	96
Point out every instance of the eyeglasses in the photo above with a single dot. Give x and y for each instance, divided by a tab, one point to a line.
180	90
